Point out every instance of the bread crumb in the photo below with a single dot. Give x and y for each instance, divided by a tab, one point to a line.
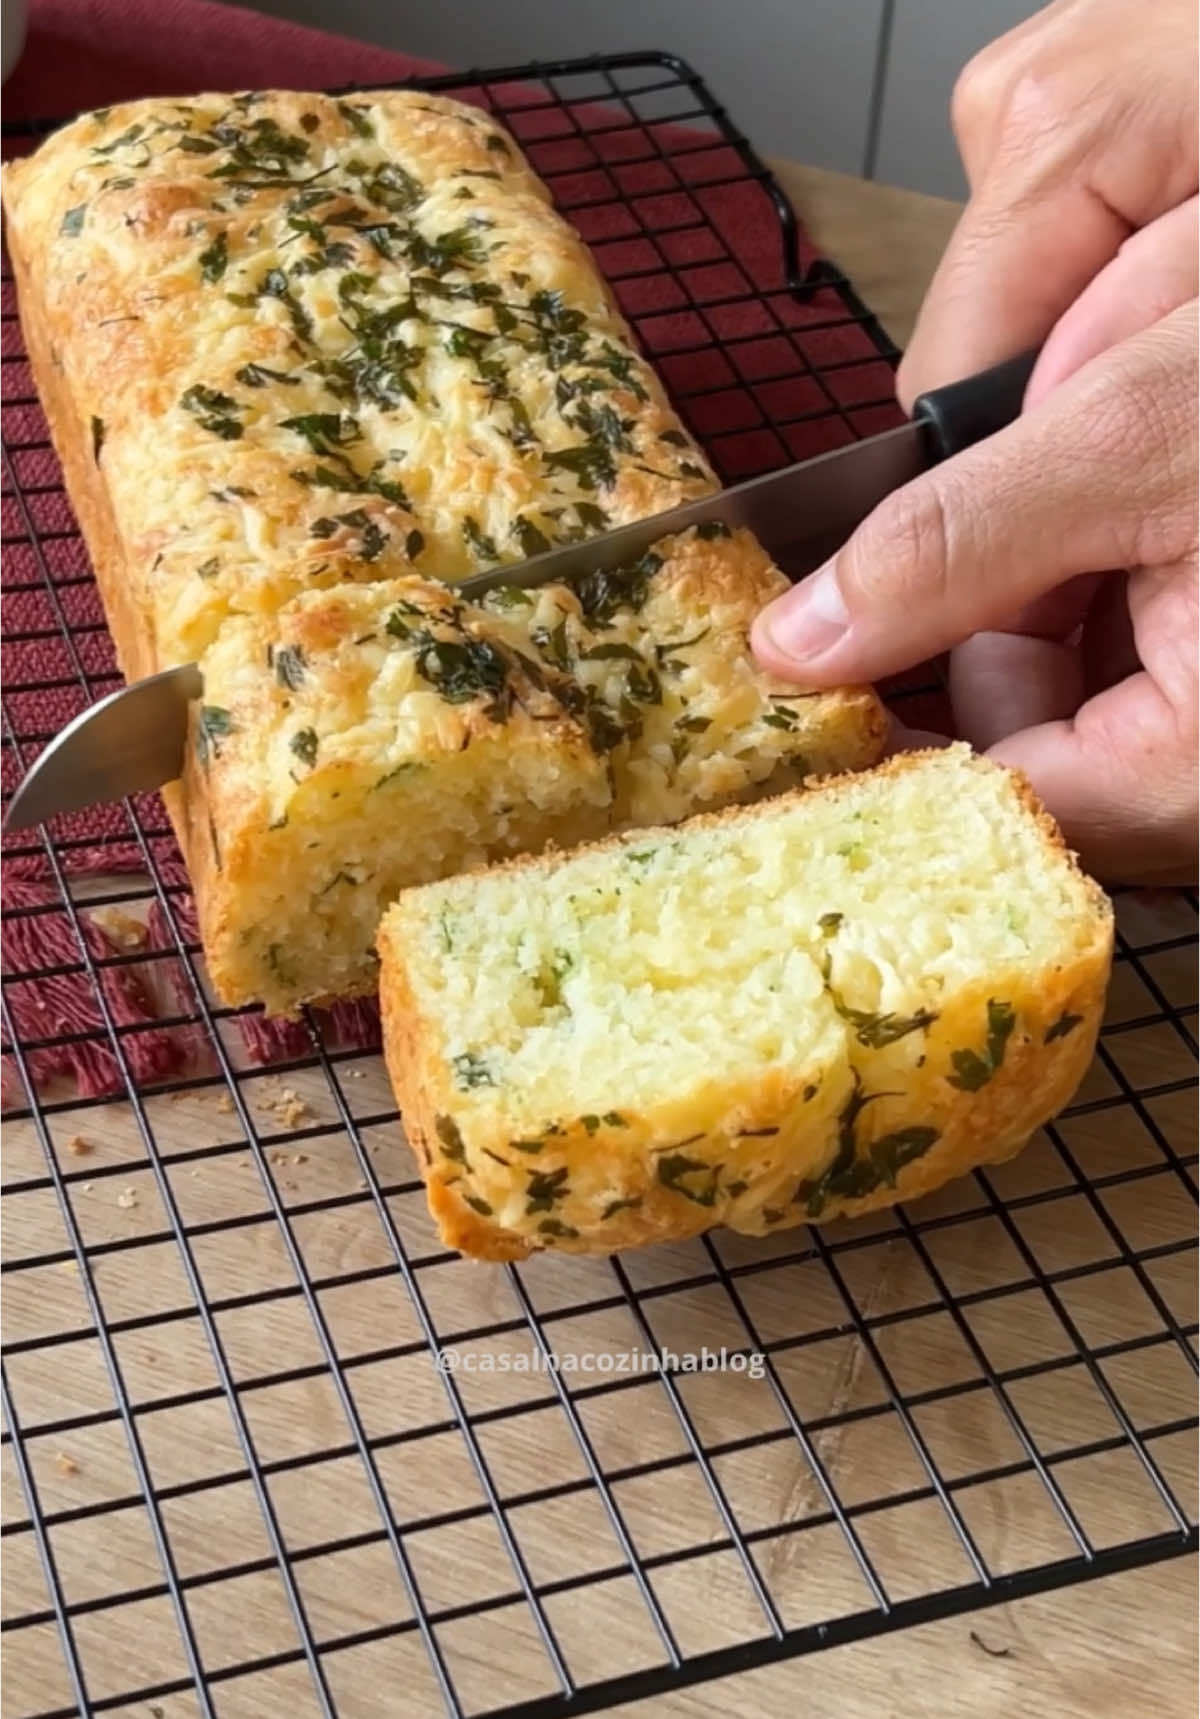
87	1187
290	1109
120	927
79	1147
65	1464
225	1103
299	1157
127	1198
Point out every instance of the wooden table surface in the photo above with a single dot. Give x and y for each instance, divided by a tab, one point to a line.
1116	1647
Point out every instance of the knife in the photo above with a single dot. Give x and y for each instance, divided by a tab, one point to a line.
135	739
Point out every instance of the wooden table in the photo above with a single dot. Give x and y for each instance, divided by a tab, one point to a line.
1117	1647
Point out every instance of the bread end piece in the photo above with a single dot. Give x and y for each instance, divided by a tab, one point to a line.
802	1010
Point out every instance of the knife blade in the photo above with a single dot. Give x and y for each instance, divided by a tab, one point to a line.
135	739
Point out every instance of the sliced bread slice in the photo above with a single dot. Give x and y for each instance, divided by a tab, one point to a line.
810	1007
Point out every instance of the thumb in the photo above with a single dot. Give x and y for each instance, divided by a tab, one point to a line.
1090	480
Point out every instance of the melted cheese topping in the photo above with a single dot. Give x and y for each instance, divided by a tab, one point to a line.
316	341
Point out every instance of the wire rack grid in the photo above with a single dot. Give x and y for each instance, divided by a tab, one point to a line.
234	1480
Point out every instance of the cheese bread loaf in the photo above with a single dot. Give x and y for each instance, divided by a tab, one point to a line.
800	1010
296	351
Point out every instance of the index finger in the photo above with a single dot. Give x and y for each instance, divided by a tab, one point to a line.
1005	280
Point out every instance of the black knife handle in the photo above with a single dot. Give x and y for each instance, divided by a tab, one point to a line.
963	413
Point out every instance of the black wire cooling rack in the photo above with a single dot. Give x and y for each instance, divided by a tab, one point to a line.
234	1479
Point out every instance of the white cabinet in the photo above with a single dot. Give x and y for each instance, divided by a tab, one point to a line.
930	42
797	75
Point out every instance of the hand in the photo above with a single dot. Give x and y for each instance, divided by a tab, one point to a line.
1078	133
1095	699
1076	130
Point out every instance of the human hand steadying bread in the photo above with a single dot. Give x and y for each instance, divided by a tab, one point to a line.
1058	561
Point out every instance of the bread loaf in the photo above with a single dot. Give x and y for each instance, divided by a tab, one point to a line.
303	360
791	1012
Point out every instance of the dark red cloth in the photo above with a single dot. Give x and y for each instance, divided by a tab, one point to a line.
703	286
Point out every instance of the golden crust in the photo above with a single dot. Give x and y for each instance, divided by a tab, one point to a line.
292	347
165	281
788	1124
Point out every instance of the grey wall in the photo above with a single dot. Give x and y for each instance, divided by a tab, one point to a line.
930	42
861	85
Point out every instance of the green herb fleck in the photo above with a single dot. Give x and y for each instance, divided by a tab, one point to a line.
870	1028
130	135
530	539
1061	1027
712	529
545	1188
259	375
356	119
213	410
972	1069
553	644
213	725
471	1071
290	666
274	284
462	671
856	1177
214	258
603	593
673	1167
325	432
453	1145
71	224
555	1229
304	744
891	1152
477	540
590	463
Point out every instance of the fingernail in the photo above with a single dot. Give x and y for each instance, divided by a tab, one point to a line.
809	621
